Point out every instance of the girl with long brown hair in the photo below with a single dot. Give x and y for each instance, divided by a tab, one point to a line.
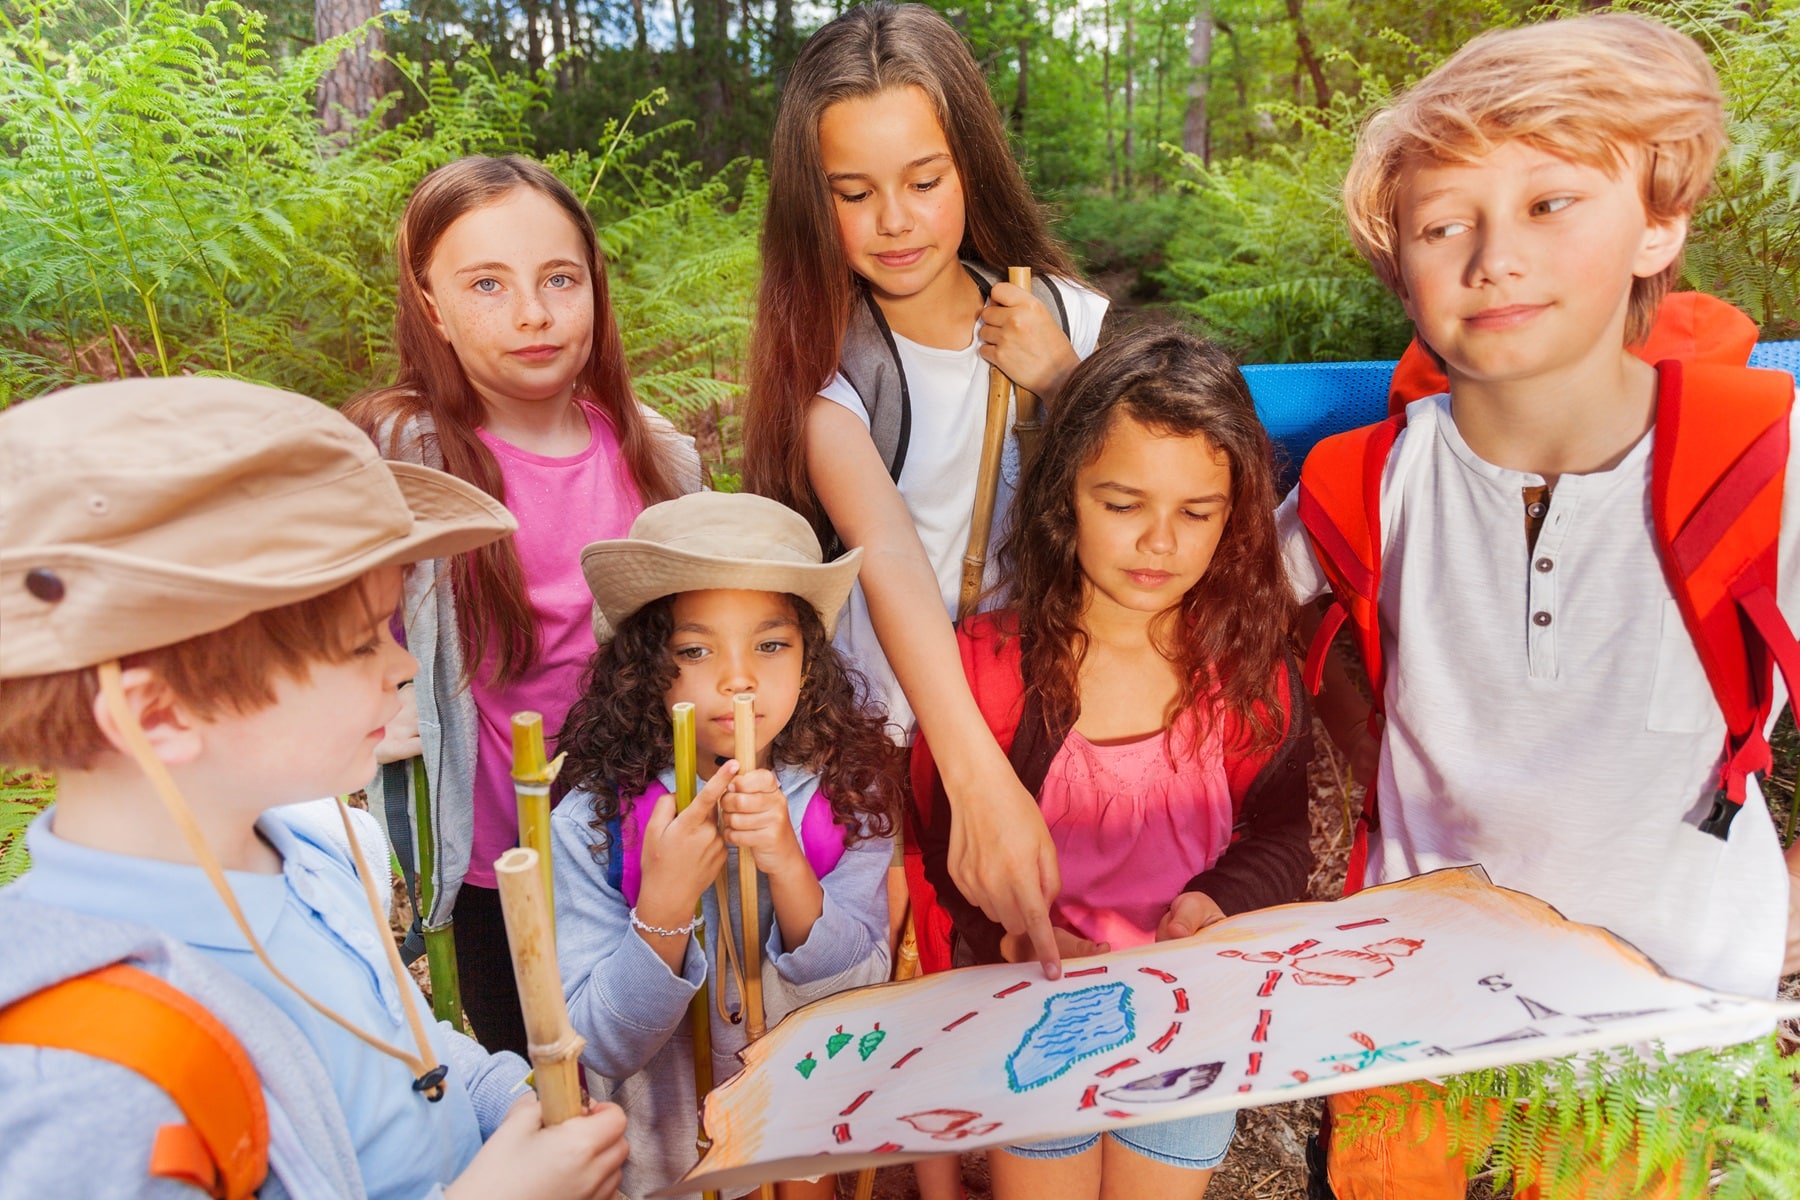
1142	680
513	377
894	200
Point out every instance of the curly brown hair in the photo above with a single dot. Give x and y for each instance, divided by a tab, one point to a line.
618	734
1230	632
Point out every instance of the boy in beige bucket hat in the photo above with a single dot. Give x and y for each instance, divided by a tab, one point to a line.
197	578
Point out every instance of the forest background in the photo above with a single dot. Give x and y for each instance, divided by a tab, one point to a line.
212	187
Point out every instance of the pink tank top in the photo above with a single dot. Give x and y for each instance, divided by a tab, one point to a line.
1131	829
562	504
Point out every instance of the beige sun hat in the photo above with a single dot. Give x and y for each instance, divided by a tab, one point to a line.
714	540
145	512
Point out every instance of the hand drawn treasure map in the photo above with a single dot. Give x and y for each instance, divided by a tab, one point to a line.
1425	978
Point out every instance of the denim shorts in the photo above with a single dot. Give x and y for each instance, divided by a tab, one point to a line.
1196	1143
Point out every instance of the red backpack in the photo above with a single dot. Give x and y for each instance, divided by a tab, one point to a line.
1717	471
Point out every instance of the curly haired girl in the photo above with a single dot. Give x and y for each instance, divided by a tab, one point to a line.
711	597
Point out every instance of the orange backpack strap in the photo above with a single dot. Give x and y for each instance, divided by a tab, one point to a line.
1340	507
1717	475
130	1017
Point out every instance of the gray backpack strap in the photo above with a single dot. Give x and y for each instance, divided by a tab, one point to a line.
870	360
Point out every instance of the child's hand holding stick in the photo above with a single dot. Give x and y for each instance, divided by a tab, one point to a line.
743	724
687	759
743	727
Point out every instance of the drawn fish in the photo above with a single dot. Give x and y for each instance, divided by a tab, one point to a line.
1164	1086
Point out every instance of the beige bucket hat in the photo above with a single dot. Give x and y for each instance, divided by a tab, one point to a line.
714	540
141	513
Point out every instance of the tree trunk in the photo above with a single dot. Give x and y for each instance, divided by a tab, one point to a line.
1106	91
1308	58
558	43
534	37
675	10
1162	86
1196	130
1129	49
1022	93
358	79
781	45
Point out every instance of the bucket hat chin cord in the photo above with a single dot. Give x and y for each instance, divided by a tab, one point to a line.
428	1073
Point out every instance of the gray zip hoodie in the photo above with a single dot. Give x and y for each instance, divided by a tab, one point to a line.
71	1125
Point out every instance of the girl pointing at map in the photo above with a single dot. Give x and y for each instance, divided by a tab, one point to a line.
1146	698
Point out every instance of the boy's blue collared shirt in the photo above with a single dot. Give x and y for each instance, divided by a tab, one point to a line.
315	924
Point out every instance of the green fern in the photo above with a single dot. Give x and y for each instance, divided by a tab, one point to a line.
1730	1117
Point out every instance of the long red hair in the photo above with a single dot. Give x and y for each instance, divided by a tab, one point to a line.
491	603
803	302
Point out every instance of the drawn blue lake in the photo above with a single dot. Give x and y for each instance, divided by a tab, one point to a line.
1075	1025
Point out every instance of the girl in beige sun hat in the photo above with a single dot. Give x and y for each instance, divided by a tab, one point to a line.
711	597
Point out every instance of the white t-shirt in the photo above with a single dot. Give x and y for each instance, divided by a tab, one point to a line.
948	390
1547	714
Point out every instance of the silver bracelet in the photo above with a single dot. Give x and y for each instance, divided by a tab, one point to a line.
683	931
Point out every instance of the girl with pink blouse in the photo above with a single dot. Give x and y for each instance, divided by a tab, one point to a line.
512	375
1146	697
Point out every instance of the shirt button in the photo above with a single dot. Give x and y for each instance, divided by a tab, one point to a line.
1540	619
1536	510
1543	564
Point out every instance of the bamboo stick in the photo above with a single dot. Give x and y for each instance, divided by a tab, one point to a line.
687	759
1028	419
743	720
440	943
532	777
743	726
987	486
555	1046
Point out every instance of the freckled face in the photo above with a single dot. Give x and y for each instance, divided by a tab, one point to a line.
508	287
728	642
895	191
1521	263
1149	512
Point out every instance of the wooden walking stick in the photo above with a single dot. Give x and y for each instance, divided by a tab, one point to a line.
743	724
1028	417
987	486
532	777
743	727
687	759
555	1046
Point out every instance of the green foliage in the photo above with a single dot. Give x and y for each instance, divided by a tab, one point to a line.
1745	244
23	795
171	206
1719	1122
1263	259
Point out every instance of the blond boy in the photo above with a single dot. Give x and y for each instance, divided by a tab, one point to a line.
196	582
1547	712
